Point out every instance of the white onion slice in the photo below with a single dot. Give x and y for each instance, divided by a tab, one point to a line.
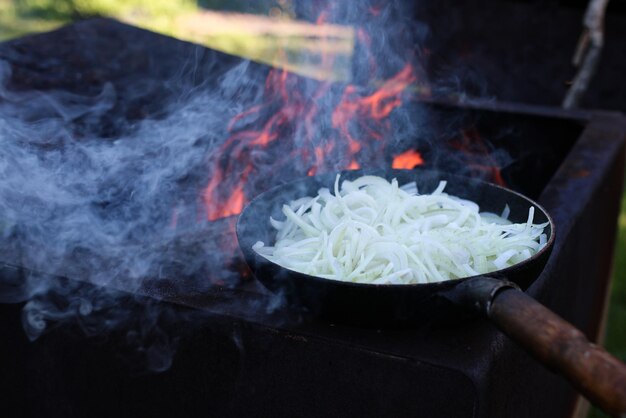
374	231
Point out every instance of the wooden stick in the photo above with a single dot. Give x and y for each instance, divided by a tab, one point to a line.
587	52
554	342
557	344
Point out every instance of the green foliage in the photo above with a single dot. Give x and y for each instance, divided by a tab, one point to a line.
616	325
20	17
616	335
13	25
258	6
71	9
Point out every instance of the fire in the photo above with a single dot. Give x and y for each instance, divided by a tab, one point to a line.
375	10
407	160
353	165
358	122
232	205
309	131
478	155
376	107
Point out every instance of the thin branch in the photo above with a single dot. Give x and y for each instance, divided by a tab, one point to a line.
587	52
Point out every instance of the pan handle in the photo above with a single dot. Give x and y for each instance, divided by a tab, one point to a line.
556	343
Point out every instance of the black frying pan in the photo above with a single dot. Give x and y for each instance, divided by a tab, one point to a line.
556	343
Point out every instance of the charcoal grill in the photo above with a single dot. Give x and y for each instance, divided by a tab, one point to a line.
244	361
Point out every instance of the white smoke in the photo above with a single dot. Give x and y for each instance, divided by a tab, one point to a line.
89	194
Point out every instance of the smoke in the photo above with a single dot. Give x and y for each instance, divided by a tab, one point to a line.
78	203
99	204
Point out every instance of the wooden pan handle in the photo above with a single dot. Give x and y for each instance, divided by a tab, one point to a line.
599	376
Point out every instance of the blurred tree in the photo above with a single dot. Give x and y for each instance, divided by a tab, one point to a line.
66	10
72	9
259	6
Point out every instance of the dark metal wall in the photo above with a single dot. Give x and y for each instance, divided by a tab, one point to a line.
519	51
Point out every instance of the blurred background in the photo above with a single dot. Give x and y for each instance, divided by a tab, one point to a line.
20	17
265	31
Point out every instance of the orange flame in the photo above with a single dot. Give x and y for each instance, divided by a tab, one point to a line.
225	193
231	204
291	135
376	107
480	157
301	134
407	160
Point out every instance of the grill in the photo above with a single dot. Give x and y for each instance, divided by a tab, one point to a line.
242	358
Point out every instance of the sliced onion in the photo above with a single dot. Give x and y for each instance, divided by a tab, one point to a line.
374	231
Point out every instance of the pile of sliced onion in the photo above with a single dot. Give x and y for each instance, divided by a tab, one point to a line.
374	231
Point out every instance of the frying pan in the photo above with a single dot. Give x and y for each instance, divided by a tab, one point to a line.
553	341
